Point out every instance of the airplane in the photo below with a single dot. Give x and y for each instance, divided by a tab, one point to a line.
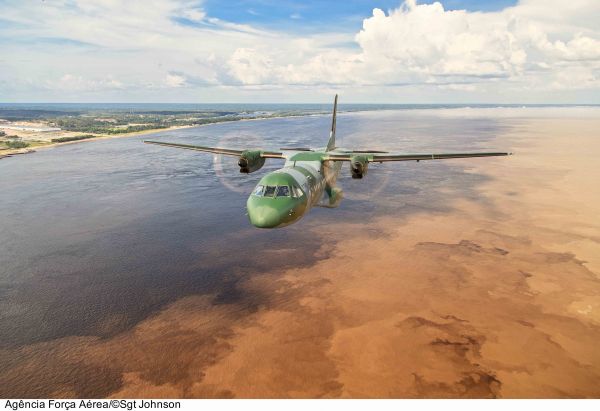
284	196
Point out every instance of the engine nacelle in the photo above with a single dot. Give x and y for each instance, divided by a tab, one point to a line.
250	161
359	166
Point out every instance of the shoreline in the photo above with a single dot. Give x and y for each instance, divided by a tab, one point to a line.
28	150
510	111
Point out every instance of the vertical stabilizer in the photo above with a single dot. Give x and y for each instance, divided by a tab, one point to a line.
331	142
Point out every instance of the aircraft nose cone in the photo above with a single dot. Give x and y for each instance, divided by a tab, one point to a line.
264	217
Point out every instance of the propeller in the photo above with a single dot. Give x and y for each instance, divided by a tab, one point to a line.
226	168
364	189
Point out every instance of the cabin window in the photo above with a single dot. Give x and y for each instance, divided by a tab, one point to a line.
258	191
270	191
283	191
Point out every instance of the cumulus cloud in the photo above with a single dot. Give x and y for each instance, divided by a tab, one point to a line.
427	39
526	50
426	44
249	66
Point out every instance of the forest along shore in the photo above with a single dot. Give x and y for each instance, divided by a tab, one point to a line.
24	131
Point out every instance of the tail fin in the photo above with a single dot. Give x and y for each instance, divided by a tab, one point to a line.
331	142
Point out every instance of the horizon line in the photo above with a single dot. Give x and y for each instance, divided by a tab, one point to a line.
290	103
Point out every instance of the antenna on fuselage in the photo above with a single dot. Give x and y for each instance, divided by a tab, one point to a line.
331	142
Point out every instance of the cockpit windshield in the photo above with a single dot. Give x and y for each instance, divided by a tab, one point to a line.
283	191
272	191
258	191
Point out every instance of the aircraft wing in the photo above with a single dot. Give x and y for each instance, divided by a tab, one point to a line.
217	150
375	157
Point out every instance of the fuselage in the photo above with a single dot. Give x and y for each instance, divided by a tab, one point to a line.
284	196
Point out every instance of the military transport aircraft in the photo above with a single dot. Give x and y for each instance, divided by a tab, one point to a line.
308	175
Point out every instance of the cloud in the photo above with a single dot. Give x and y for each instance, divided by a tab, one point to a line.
175	80
426	44
428	40
250	66
193	14
69	83
520	52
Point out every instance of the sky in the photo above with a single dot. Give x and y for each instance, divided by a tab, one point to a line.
288	51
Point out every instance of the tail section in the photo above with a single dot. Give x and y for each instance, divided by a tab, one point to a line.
331	142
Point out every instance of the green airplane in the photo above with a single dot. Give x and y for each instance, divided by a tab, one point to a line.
308	177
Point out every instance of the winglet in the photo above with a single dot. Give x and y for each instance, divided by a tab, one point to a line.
331	142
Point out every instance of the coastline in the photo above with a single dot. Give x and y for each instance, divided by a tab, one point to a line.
32	149
472	111
28	150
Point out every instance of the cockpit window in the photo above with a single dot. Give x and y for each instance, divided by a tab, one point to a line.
270	191
283	191
258	191
276	191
